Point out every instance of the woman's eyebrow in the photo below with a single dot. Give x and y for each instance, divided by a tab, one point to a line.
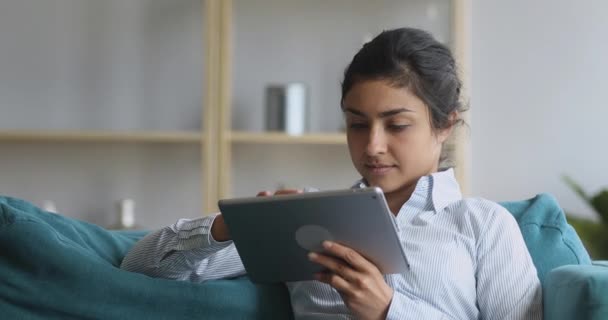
383	114
393	112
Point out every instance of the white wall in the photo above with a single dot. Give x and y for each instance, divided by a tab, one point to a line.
538	102
108	65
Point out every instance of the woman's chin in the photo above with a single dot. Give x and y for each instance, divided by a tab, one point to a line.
386	186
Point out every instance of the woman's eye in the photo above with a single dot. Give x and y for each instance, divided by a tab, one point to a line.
357	125
398	127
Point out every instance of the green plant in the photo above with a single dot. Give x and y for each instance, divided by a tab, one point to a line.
593	234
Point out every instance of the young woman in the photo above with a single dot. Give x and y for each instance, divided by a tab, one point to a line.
401	100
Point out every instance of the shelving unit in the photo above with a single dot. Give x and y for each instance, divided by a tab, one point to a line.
245	45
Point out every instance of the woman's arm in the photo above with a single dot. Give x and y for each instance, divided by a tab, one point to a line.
507	282
185	251
195	250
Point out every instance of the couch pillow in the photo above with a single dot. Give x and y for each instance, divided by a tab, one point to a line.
552	242
53	267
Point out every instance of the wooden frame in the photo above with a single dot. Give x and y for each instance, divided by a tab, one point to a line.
461	46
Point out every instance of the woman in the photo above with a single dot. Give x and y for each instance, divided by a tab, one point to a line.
401	101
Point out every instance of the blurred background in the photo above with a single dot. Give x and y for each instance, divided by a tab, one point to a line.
168	103
537	108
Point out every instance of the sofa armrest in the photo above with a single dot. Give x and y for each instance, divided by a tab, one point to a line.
602	263
577	292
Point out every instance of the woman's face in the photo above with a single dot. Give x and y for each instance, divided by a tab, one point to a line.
390	138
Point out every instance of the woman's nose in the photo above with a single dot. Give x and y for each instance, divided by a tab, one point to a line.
376	143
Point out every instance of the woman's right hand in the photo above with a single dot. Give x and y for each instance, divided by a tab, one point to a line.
219	230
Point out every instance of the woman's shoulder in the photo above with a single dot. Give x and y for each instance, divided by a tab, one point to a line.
484	207
482	214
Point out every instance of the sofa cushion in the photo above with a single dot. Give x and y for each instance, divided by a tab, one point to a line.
93	241
53	267
552	242
576	292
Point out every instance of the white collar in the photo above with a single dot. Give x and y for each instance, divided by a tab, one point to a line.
439	189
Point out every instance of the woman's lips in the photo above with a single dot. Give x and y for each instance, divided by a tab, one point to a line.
379	169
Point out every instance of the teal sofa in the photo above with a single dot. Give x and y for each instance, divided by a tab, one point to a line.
53	267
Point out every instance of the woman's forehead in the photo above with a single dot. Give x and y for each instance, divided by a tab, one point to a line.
375	97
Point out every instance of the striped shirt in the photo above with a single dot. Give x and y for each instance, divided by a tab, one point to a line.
467	258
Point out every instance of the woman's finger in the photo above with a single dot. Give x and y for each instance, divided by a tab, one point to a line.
350	256
266	193
287	191
336	281
334	265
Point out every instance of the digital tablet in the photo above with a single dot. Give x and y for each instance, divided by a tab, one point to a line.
273	235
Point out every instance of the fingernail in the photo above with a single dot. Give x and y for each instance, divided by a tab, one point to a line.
327	244
312	255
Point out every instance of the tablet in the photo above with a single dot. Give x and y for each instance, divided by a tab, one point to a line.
273	235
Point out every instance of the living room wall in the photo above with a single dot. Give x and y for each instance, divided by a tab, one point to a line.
538	98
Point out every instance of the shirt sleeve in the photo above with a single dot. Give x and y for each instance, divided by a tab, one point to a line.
507	283
404	306
185	251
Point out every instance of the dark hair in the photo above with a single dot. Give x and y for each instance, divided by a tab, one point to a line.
411	58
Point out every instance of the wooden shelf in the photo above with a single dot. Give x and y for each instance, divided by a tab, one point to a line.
101	136
282	138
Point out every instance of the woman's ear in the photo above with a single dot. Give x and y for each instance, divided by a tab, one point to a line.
445	133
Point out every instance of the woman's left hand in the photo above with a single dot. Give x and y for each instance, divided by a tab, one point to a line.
358	281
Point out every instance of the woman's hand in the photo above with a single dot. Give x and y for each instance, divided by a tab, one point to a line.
358	281
278	192
219	230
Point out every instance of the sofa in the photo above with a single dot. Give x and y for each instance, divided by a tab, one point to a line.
55	267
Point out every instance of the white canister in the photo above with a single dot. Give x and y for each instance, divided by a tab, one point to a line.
126	215
287	108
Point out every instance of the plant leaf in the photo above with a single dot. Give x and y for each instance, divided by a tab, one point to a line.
576	187
593	236
600	204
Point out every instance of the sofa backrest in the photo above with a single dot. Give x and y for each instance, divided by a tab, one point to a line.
552	242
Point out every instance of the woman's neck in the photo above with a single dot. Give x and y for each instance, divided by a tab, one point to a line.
399	197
